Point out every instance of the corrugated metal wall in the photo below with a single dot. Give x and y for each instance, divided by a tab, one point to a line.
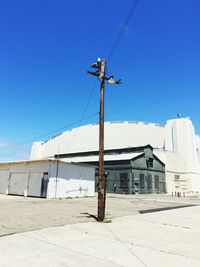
4	175
18	183
46	179
35	184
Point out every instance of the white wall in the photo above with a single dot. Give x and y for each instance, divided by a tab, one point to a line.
15	176
70	180
65	179
4	177
86	138
181	139
176	144
194	180
36	150
181	145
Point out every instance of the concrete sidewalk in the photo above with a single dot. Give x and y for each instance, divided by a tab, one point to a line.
167	238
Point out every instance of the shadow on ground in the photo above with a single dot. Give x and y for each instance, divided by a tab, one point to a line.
88	215
165	208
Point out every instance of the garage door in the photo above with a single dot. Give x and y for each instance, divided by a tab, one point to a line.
3	181
35	184
18	183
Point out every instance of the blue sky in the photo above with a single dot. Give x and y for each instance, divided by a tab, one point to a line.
46	47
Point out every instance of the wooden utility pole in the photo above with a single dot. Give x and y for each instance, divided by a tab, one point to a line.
101	180
100	65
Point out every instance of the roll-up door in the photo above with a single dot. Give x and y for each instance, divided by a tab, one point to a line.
3	181
35	184
18	183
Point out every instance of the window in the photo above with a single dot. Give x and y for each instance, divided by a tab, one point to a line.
149	163
142	180
123	178
149	181
177	181
176	177
156	178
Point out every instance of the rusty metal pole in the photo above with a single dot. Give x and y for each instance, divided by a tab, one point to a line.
101	180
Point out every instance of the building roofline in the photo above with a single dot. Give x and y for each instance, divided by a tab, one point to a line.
107	151
106	123
48	160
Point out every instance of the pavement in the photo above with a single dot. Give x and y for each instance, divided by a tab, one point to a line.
22	214
165	238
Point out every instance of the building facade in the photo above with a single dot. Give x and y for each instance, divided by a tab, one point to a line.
128	170
47	179
174	145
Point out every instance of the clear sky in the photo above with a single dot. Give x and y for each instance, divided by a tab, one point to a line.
46	47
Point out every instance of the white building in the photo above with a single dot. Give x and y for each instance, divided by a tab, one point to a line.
175	144
46	178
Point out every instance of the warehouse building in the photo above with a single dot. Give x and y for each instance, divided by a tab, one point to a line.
129	170
156	158
46	178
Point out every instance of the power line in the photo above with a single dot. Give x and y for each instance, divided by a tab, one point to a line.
121	33
56	130
83	114
112	51
83	118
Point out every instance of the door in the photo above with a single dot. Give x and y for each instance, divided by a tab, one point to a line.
124	182
44	186
18	183
35	184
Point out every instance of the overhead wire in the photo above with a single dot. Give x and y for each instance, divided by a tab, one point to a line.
111	53
83	114
56	130
79	122
121	33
